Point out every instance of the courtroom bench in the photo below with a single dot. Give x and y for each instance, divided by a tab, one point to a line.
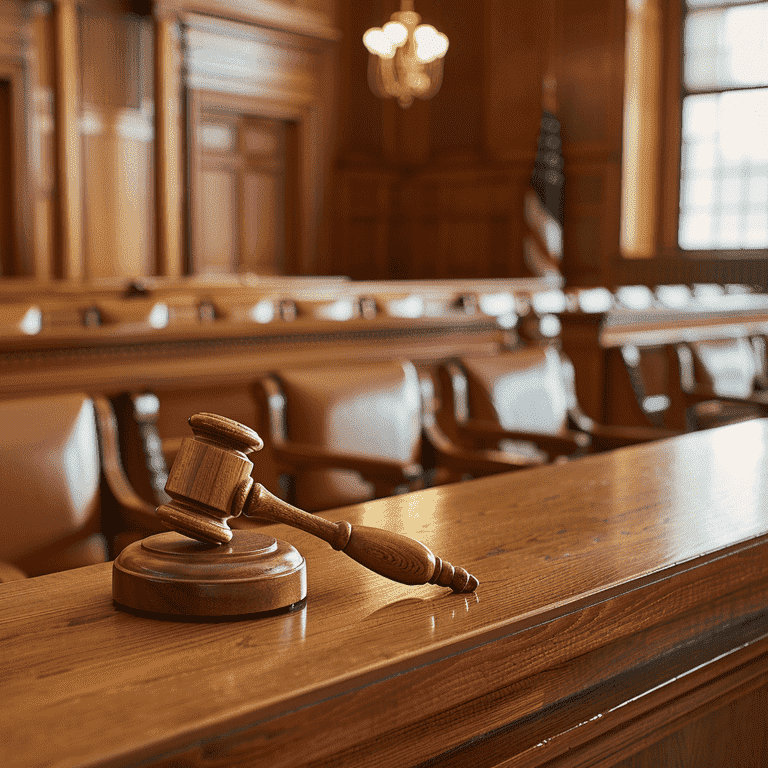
62	336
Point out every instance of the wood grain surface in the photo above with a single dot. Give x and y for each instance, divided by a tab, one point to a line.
609	586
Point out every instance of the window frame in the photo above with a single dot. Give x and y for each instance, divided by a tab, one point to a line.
663	207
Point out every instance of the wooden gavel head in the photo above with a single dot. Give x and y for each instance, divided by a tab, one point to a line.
210	479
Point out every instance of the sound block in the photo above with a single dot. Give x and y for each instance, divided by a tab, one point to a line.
171	575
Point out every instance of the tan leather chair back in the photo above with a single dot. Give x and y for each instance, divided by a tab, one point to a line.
728	367
49	484
371	410
523	390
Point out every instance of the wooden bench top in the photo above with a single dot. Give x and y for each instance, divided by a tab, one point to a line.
589	571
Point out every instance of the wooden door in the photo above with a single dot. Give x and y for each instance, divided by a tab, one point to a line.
7	250
241	196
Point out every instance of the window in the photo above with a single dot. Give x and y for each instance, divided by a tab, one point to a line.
724	141
695	146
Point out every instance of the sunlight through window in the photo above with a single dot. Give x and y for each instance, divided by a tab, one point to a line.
724	162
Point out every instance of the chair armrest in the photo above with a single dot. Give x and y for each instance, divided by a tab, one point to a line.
295	456
606	436
561	444
10	572
483	462
758	399
130	511
460	460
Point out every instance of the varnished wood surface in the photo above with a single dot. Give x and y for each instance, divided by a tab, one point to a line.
589	571
195	354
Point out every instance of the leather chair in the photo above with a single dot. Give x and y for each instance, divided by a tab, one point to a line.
653	373
723	381
525	400
64	494
349	433
153	422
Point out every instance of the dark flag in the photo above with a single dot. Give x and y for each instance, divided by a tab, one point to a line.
543	203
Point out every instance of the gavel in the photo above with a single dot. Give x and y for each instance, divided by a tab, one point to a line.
210	483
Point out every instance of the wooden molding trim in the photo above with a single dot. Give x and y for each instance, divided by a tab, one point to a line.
265	13
168	148
69	194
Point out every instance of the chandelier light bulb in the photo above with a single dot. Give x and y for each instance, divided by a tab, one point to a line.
430	44
377	43
396	32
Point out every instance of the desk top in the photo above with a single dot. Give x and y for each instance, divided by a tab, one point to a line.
572	559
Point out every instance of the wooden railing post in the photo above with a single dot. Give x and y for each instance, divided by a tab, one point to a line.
168	142
69	263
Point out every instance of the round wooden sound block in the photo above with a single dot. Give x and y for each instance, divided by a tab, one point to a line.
172	575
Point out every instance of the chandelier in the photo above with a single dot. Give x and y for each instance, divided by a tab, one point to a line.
406	58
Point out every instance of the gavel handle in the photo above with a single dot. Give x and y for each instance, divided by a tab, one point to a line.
389	554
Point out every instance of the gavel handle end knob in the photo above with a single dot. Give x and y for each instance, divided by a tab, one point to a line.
458	579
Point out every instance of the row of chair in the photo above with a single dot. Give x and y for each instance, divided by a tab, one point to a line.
91	470
715	381
338	434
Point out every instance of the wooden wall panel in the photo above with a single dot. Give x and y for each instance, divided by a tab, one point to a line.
103	171
516	51
461	223
592	215
117	142
7	248
42	142
590	72
462	161
241	205
361	127
218	225
69	209
277	58
170	146
364	224
17	71
456	115
262	239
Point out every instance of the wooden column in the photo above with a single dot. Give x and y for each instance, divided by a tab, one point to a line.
69	262
168	143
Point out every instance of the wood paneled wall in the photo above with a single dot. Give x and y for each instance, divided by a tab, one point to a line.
101	150
117	141
97	104
101	102
437	190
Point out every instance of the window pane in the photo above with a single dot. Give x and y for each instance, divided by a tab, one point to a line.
758	191
697	193
695	230
706	3
743	126
724	175
757	229
700	116
726	47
